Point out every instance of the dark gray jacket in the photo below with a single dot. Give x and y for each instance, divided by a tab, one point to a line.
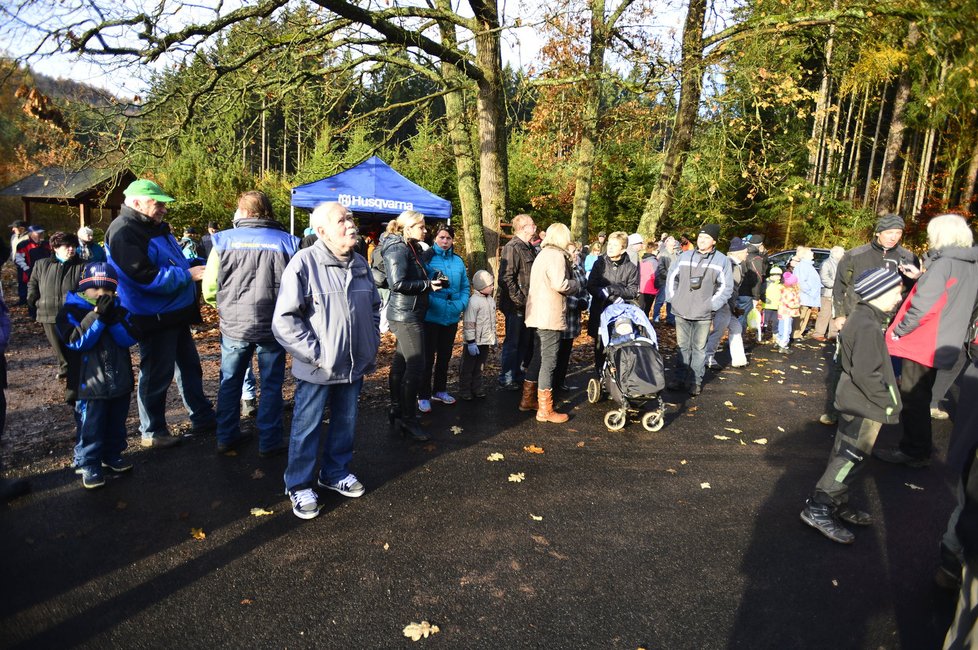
860	259
243	274
711	272
620	277
50	282
327	316
515	261
408	280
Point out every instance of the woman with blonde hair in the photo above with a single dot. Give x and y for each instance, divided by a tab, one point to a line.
929	331
410	281
551	281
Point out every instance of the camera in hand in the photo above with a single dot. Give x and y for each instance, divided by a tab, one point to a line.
441	279
695	284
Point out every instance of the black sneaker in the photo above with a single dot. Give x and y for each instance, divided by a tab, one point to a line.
92	478
274	451
853	516
207	429
231	445
117	466
819	516
898	457
695	390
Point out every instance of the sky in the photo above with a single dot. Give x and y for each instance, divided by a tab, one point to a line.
521	45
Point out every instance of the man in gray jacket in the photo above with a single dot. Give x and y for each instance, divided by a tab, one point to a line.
327	317
699	284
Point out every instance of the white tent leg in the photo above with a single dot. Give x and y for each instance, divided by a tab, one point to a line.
292	219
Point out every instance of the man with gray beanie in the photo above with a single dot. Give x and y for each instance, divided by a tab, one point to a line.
884	251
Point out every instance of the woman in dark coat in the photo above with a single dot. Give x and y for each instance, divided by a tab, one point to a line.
409	281
613	276
51	280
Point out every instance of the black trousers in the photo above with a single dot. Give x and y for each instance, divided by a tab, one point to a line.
916	384
439	340
406	369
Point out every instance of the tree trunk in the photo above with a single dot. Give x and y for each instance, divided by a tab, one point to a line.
490	105
844	144
922	171
857	150
872	149
816	146
968	188
659	205
465	167
833	146
587	146
885	202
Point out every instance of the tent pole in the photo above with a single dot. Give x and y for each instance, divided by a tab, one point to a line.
292	220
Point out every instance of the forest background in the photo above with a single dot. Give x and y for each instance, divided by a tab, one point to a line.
799	119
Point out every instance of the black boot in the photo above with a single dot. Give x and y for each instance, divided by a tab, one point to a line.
411	429
819	516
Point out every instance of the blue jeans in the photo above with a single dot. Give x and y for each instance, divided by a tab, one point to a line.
516	346
163	355
307	422
691	336
657	308
101	430
784	331
235	362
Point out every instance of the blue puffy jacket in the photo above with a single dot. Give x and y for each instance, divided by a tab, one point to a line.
154	280
445	306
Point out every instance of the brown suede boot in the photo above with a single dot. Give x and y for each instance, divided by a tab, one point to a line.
546	412
529	400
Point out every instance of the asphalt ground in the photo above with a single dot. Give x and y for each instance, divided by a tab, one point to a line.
672	539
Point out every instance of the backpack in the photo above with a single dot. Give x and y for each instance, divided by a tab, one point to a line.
377	269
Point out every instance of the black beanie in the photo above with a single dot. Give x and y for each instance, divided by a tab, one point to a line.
889	222
711	229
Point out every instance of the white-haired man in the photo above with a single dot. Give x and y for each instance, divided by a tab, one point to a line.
156	284
327	317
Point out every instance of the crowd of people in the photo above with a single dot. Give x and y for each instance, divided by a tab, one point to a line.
904	330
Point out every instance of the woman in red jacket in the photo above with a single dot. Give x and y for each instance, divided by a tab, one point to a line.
930	329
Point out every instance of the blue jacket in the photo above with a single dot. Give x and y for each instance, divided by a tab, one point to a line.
809	284
99	363
445	306
154	280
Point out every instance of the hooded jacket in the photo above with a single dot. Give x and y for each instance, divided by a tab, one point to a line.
154	277
244	271
932	324
327	316
621	276
716	284
867	386
446	305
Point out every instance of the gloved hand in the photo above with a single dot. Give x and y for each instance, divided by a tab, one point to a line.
609	292
105	306
473	349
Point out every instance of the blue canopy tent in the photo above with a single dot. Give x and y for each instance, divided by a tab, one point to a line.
371	187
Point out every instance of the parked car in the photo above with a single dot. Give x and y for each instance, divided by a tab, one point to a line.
781	258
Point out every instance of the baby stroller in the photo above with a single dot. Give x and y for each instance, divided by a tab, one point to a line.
632	374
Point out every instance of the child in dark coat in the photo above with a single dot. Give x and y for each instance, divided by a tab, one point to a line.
98	333
867	398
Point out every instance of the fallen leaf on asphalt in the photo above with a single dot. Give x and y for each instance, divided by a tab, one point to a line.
516	478
121	505
732	430
729	419
672	471
580	444
741	394
742	442
705	486
246	601
760	441
751	415
456	430
197	533
260	512
806	372
755	374
415	631
781	429
257	474
535	517
533	449
913	487
683	461
719	437
693	409
793	367
493	457
386	546
835	583
728	403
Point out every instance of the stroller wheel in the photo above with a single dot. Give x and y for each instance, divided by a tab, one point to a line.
653	420
615	420
593	391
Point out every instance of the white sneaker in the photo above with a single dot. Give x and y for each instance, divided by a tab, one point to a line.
348	487
424	405
305	503
444	398
939	414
